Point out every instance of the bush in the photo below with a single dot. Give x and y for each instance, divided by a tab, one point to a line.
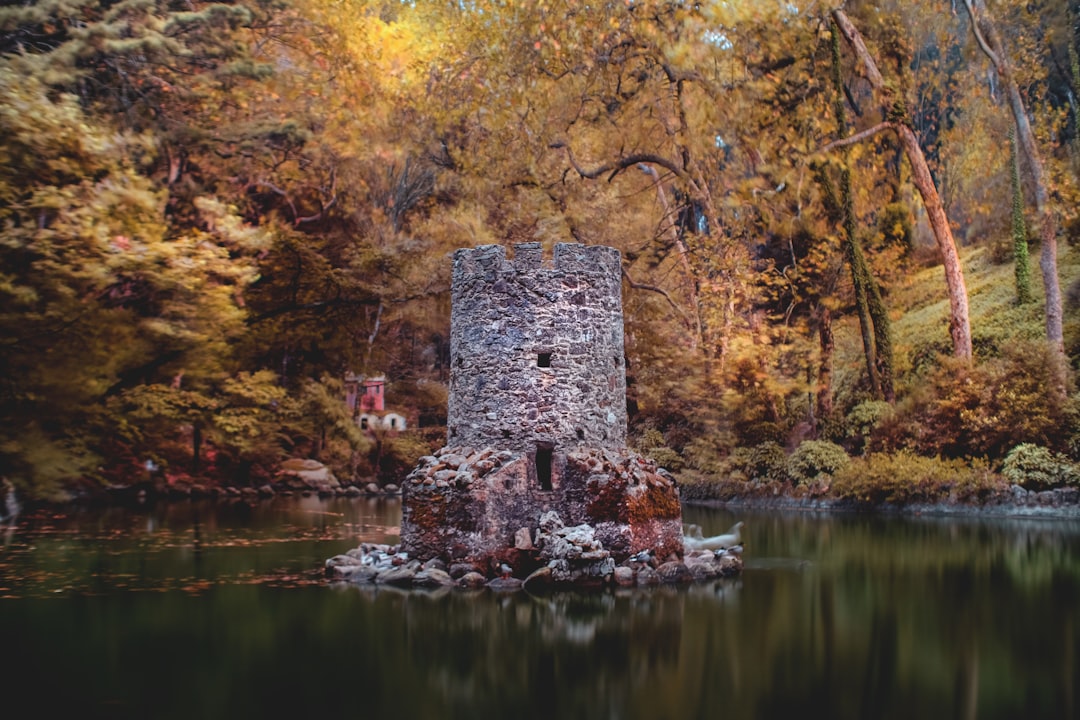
863	420
667	458
760	462
904	477
814	458
977	410
1036	467
653	444
704	455
400	453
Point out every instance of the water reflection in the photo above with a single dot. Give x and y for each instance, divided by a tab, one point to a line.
835	616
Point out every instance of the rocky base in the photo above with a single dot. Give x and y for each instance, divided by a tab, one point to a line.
487	506
579	568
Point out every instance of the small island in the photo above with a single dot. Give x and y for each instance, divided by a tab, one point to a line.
536	485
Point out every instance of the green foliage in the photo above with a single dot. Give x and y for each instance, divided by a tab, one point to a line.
653	444
766	461
703	454
904	477
401	452
896	226
667	458
813	459
863	420
1022	268
1038	468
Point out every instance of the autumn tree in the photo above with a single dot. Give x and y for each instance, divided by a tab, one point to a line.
991	44
897	118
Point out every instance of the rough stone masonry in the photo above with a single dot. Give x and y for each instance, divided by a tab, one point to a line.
537	425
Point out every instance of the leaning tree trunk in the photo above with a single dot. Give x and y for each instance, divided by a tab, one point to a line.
959	315
982	25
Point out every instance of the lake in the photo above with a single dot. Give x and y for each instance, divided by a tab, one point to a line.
214	610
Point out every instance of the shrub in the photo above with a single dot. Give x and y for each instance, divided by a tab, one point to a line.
1036	467
977	410
667	458
760	462
904	477
703	454
653	444
863	419
814	458
400	453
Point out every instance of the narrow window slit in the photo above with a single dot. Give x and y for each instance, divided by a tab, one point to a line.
543	467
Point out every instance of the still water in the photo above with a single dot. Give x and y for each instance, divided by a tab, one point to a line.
219	610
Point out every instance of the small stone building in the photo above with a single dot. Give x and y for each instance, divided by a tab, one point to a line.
537	416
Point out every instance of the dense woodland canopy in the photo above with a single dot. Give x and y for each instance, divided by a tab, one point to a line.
210	212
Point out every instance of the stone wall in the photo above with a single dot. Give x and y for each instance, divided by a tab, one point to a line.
537	350
473	505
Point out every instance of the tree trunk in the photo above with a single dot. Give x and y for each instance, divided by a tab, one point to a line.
196	447
1021	267
857	264
982	25
959	316
824	376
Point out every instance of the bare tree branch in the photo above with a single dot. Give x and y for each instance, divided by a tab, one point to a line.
623	163
857	137
660	291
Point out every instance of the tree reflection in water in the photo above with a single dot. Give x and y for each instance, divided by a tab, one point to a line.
835	616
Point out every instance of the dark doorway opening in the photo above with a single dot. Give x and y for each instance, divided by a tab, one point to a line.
543	359
543	466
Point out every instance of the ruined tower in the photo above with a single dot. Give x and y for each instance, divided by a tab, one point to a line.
536	428
537	351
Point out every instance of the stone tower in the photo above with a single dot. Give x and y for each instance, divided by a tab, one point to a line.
537	351
536	428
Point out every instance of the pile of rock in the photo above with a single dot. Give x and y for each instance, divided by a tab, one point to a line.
572	554
570	557
456	467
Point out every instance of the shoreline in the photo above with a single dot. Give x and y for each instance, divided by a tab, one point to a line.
1015	502
992	509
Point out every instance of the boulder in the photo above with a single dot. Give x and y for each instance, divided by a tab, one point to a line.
523	539
435	564
472	580
400	576
505	584
673	573
459	570
623	576
310	473
343	560
433	577
363	575
646	576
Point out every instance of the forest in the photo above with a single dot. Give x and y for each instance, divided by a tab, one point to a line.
849	230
